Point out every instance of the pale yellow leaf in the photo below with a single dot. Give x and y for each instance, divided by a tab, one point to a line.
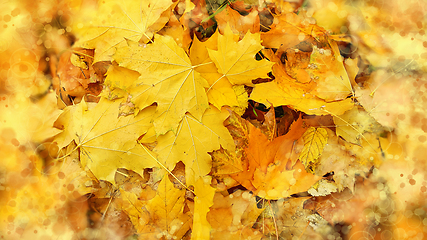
167	78
166	209
323	188
107	141
354	123
114	21
193	141
315	140
327	70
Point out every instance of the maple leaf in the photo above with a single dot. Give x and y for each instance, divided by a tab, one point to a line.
221	92
192	142
242	161
265	171
236	60
229	73
114	22
285	91
106	141
166	209
167	78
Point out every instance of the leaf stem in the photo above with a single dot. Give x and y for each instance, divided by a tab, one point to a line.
222	7
274	220
68	154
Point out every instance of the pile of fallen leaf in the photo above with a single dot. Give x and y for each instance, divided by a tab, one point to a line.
216	119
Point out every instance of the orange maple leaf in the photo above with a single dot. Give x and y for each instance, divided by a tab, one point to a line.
268	170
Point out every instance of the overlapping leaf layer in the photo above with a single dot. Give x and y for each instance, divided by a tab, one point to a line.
193	119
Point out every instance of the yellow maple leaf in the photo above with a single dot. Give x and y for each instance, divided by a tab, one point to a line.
192	142
167	78
284	91
321	85
236	59
315	140
166	209
114	21
134	207
106	141
220	92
